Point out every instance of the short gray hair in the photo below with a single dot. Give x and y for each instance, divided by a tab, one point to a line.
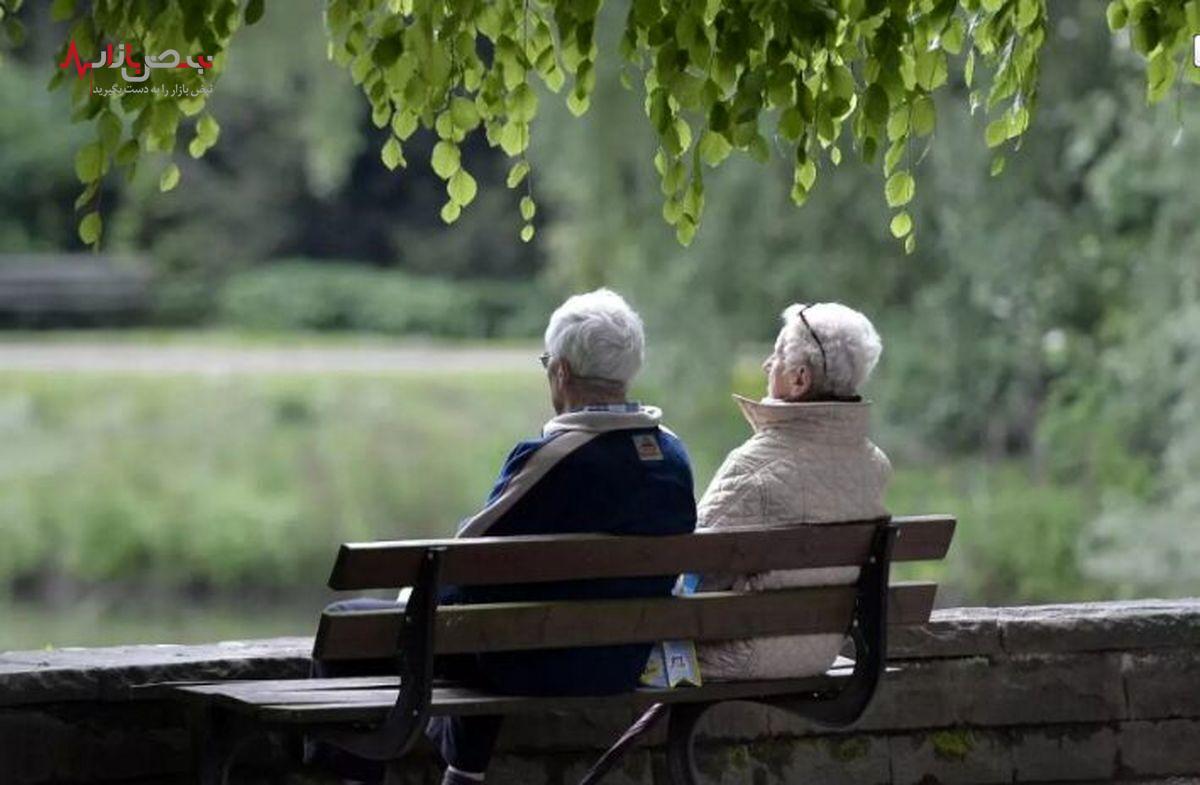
599	335
852	347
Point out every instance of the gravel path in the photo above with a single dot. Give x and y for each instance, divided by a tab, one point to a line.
109	357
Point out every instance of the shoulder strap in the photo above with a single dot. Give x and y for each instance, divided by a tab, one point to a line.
534	469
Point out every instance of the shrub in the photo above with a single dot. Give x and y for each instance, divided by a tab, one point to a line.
306	295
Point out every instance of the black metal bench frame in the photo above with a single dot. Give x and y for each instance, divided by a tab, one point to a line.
220	736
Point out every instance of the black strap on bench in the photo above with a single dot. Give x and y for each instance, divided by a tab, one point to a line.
868	630
407	718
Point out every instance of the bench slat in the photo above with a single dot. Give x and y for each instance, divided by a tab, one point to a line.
537	625
278	703
498	560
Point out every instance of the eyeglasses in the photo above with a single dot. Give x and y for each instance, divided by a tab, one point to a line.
813	333
544	357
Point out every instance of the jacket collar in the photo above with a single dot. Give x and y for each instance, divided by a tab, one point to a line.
829	421
599	419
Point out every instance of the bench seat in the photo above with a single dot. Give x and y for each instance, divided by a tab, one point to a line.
381	717
368	699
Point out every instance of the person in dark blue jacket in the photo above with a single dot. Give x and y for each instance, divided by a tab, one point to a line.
604	464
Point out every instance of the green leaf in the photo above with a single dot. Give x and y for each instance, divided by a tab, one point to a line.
528	208
254	11
997	132
462	188
924	115
62	10
127	153
953	35
894	154
404	123
791	124
446	159
393	153
463	113
1146	28
89	162
1117	15
387	50
901	224
875	104
714	148
90	228
897	126
88	194
522	104
169	178
110	129
527	233
899	189
517	174
1027	14
997	165
207	130
910	244
806	174
514	138
450	212
931	69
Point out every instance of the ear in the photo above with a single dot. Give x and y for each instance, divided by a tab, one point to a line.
563	371
801	384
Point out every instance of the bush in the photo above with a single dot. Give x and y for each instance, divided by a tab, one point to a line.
306	295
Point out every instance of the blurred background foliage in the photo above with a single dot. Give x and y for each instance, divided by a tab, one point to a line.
1040	377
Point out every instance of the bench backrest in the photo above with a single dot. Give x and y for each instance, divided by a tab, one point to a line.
568	623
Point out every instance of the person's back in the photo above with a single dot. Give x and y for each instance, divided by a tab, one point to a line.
810	461
807	463
602	465
630	478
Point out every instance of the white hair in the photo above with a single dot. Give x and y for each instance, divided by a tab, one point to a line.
852	347
599	335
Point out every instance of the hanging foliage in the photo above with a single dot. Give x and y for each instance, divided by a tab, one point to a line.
813	81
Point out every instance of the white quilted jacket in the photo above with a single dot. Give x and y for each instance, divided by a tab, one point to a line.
806	463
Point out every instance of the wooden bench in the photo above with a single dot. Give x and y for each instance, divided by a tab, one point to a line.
381	717
51	290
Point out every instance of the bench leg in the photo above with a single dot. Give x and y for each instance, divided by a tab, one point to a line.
217	740
681	736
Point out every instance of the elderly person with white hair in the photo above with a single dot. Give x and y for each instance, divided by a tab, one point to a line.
603	464
809	461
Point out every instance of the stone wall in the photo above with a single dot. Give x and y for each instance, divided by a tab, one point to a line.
1100	692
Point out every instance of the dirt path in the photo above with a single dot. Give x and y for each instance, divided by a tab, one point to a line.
132	358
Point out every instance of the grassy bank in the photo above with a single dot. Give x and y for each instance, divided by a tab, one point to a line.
193	486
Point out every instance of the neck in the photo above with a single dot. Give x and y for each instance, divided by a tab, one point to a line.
581	396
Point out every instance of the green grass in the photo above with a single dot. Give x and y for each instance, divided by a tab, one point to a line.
187	480
184	486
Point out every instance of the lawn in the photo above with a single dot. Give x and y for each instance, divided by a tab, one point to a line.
125	498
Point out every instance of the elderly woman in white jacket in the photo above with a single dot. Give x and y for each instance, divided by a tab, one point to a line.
809	461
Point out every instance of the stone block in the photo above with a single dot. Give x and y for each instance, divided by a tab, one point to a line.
1162	684
1064	753
959	756
1041	690
76	674
833	760
1157	748
1101	626
99	743
953	632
